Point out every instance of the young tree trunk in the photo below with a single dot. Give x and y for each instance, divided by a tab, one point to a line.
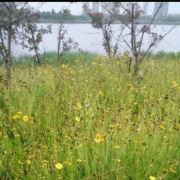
109	50
8	61
58	52
136	66
38	59
107	40
8	66
129	64
135	57
59	41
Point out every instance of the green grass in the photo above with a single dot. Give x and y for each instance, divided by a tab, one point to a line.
51	58
85	56
166	56
94	118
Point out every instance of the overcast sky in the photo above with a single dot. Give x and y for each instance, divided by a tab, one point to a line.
76	7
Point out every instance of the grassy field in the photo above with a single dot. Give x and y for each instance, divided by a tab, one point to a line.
91	121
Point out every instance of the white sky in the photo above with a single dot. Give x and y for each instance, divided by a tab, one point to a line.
76	7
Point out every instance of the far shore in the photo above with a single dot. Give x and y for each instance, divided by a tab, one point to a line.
116	22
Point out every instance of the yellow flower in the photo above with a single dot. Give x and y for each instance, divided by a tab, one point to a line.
25	118
99	137
28	161
16	135
152	178
117	147
161	127
174	83
19	113
64	66
78	105
79	160
77	119
45	161
118	160
100	93
59	166
172	170
16	117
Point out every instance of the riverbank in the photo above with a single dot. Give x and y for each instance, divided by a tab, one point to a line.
49	21
71	57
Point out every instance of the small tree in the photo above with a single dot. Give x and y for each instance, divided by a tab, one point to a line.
65	44
104	22
138	34
12	15
31	36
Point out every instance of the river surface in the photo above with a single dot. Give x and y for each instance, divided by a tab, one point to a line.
90	39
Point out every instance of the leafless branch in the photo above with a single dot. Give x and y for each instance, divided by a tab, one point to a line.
148	53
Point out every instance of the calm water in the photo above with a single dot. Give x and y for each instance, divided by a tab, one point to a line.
90	39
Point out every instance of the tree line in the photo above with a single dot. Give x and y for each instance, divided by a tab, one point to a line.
55	16
52	15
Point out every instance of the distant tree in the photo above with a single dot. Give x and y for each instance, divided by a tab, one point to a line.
31	36
65	44
12	16
105	22
137	34
53	13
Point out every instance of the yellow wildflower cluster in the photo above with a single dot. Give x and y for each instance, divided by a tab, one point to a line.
20	116
99	138
67	70
17	116
152	178
77	119
161	126
59	166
